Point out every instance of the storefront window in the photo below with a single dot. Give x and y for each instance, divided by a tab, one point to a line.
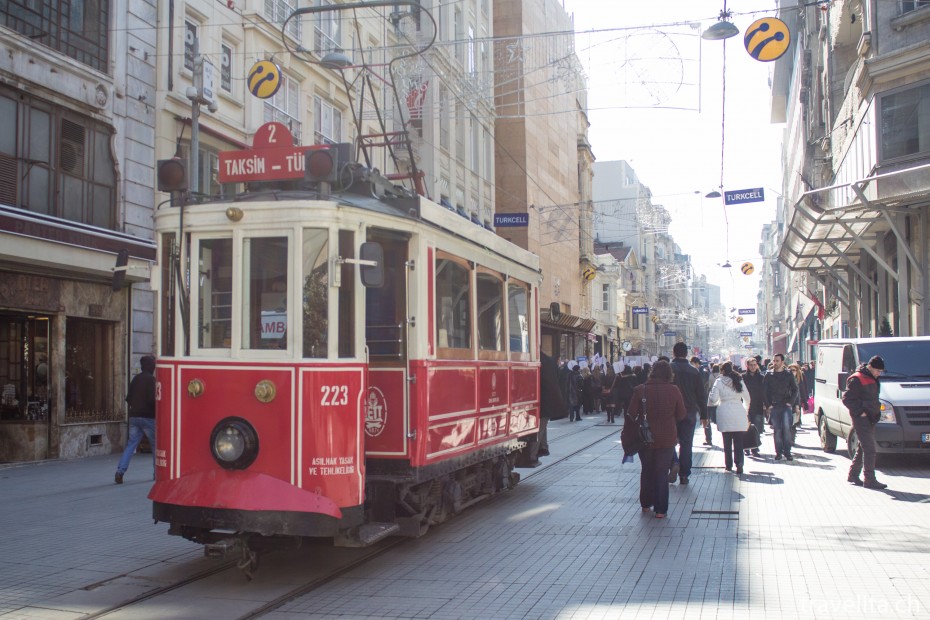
89	371
24	368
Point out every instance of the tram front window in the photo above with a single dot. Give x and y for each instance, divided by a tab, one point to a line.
315	294
264	284
215	293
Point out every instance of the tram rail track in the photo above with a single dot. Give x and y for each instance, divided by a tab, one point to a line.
365	555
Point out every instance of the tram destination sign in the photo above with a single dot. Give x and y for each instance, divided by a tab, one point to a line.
273	157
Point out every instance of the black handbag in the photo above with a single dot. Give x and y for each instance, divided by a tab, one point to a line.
751	438
636	434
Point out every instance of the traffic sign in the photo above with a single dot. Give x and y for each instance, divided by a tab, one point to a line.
767	39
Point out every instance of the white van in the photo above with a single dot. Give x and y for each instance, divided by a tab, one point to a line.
905	392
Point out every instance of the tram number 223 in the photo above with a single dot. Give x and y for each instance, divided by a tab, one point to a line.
334	395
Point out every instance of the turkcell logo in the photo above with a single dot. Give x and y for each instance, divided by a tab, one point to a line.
742	196
511	219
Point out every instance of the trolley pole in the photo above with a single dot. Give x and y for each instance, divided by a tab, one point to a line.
201	93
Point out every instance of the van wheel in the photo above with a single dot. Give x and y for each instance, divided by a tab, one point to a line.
852	442
827	439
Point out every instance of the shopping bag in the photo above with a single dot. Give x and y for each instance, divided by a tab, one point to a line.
810	405
751	438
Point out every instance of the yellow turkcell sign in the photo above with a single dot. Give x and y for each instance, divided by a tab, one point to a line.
264	79
739	319
589	273
747	268
767	39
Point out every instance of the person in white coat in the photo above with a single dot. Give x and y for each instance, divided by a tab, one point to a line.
731	400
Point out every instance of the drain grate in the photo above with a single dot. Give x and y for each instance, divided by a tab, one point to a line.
720	515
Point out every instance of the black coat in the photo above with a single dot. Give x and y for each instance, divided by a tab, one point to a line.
779	388
691	385
621	391
753	382
861	395
551	405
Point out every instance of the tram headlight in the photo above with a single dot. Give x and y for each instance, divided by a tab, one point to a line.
234	443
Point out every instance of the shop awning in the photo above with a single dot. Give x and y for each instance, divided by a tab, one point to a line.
838	223
570	323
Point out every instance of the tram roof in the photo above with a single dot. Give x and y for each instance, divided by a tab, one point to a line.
413	207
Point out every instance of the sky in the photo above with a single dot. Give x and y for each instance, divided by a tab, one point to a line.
655	100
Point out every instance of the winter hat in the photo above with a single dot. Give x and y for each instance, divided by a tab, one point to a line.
877	362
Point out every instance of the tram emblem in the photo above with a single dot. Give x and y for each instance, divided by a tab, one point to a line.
375	412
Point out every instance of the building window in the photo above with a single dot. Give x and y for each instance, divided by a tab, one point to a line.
326	29
634	320
55	162
226	68
278	10
284	107
605	297
89	371
475	146
444	117
190	44
912	5
327	122
460	132
79	29
905	122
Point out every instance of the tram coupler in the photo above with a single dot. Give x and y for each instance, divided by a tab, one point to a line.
222	549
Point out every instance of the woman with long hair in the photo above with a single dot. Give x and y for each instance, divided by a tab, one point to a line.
663	406
730	398
800	402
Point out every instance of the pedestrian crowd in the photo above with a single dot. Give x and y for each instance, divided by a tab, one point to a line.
661	405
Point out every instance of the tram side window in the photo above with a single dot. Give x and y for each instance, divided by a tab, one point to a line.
453	300
518	307
215	294
169	291
316	290
490	289
264	293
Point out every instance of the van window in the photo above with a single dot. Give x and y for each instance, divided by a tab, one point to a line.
849	359
903	358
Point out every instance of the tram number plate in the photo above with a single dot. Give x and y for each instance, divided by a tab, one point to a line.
925	438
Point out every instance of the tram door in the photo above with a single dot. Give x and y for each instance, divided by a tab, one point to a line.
386	416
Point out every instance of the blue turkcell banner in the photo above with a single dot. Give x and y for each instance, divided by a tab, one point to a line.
511	219
742	196
745	333
669	333
746	311
640	310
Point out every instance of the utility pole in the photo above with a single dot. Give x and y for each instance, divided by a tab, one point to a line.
201	93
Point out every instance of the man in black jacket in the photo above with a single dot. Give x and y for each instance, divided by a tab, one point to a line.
865	410
753	379
779	389
141	400
689	382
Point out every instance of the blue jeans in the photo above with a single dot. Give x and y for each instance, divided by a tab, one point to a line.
137	427
781	418
685	439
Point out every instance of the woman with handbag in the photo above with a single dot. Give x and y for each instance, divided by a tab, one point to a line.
659	403
730	399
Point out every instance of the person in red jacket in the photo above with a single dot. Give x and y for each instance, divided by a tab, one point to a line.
865	410
664	407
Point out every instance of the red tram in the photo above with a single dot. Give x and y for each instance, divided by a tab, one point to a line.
345	366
